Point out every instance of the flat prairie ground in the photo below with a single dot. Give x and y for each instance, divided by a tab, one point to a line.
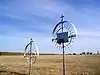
51	65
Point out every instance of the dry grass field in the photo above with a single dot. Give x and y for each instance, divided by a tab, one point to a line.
51	65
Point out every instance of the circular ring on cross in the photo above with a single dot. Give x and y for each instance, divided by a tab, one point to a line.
31	52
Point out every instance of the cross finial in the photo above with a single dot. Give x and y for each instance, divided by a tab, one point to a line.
62	16
31	39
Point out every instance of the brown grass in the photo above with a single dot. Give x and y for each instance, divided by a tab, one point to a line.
51	65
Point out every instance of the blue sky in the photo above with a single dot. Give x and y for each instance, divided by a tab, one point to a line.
20	19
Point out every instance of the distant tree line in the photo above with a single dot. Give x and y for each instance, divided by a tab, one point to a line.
19	53
86	53
83	53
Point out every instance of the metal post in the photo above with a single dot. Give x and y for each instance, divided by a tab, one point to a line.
63	60
63	49
30	58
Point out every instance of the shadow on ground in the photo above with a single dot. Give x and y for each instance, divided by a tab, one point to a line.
3	72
